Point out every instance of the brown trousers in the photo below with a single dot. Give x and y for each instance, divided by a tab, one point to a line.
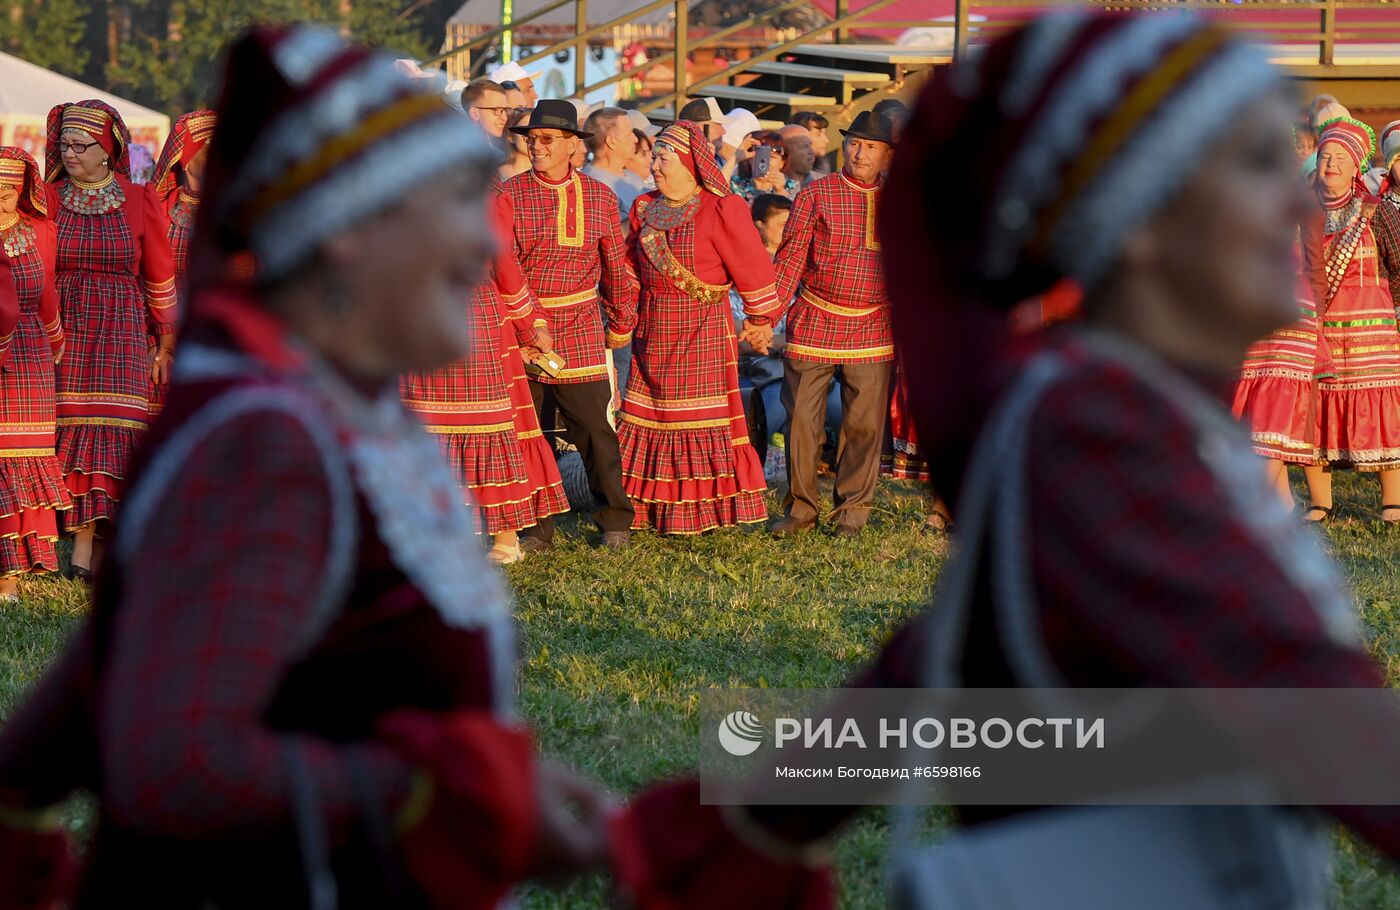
865	404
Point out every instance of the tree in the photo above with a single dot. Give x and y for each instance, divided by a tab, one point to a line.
48	33
167	51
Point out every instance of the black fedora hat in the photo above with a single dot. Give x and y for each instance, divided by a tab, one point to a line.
872	126
552	114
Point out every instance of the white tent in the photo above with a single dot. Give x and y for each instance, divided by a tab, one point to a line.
29	92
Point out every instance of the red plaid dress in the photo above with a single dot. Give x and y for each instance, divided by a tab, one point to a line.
1361	399
469	407
687	463
570	246
830	262
180	209
284	590
31	482
114	276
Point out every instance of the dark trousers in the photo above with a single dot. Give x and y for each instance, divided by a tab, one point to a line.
865	399
584	406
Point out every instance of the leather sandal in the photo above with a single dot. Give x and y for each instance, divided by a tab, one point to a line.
1326	514
1388	507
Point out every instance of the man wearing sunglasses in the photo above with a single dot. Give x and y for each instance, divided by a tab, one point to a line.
570	245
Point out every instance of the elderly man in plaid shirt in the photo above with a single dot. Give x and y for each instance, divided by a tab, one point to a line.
830	260
570	245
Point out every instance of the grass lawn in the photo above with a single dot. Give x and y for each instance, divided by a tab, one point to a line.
614	648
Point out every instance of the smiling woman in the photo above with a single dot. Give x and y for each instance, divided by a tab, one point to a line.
296	639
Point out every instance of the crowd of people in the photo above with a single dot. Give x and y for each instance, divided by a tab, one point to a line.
665	294
298	661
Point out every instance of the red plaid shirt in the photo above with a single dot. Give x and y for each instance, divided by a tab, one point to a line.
1144	573
830	261
569	244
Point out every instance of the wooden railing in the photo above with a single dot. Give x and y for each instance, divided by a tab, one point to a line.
1306	23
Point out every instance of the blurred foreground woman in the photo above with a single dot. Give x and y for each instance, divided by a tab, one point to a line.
296	687
1114	528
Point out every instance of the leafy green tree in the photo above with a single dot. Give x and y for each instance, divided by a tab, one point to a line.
48	33
168	53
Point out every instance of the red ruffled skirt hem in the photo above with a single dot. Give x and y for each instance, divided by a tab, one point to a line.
31	496
491	470
1282	417
690	481
1361	427
543	470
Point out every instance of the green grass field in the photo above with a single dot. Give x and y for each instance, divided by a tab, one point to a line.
615	647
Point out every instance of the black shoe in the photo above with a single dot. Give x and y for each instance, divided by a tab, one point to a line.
78	572
617	540
535	545
1325	514
790	527
844	530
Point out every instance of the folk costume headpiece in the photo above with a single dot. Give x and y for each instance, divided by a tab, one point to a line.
97	119
688	141
315	136
190	134
1390	144
19	170
1065	136
1355	137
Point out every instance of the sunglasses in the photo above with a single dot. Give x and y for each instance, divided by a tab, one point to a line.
532	139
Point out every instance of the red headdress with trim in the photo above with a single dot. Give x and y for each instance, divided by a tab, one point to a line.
189	135
1357	139
18	169
1065	135
696	153
97	119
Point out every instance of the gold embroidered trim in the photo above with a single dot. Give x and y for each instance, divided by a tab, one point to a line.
711	424
659	252
837	309
554	303
882	351
440	430
871	243
561	217
100	422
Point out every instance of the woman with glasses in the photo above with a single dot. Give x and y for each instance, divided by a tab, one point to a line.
750	185
116	281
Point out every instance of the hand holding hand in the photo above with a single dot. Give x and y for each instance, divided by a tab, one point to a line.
160	367
759	336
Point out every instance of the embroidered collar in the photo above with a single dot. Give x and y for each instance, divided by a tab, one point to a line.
1339	217
17	237
91	198
857	185
661	214
554	184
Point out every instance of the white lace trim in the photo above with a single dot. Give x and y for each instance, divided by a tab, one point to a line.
421	518
1156	161
1045	40
1085	95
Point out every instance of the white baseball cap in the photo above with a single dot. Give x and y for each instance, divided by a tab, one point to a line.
738	123
513	72
641	122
